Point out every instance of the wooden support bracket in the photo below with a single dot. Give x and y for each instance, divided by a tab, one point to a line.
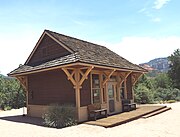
84	76
77	71
124	75
108	76
23	81
70	76
135	77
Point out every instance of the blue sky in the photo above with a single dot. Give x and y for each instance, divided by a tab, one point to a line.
138	30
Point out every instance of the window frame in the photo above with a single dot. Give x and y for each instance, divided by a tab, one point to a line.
95	88
122	90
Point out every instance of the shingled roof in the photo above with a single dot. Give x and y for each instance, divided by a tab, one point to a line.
84	52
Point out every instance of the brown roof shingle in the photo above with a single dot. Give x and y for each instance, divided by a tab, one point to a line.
84	52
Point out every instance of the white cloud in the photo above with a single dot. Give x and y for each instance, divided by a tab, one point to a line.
142	10
143	49
158	4
148	9
157	19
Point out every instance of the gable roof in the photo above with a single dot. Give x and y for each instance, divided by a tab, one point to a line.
80	51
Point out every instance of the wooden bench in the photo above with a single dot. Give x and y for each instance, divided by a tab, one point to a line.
95	111
127	105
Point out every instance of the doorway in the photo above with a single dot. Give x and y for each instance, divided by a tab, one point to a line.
111	96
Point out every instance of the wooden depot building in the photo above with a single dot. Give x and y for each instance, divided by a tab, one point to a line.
66	70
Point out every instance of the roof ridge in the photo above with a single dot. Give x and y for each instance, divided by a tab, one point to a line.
75	38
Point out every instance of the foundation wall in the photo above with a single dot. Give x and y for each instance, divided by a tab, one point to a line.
38	111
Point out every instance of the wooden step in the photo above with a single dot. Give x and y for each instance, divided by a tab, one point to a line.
162	107
156	112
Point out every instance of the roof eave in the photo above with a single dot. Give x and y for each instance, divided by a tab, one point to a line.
75	64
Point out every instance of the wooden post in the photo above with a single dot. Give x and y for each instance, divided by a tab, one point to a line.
102	93
24	82
118	88
77	92
77	81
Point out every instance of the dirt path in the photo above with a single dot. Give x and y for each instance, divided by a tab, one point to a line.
166	124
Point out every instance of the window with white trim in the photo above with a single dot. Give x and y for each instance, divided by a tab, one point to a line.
96	89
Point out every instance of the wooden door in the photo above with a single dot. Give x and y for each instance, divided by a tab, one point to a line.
111	96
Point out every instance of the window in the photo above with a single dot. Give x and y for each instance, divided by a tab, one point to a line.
122	91
111	91
96	88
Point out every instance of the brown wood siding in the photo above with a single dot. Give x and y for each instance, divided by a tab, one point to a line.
47	50
85	93
129	88
50	87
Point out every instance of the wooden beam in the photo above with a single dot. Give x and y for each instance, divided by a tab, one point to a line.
84	76
70	76
77	93
108	76
127	74
84	68
123	76
118	87
135	77
81	72
23	81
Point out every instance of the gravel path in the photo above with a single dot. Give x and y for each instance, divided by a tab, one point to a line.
166	124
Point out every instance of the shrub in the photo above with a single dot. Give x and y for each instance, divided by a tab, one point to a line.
167	94
59	116
177	94
171	101
7	108
12	94
143	95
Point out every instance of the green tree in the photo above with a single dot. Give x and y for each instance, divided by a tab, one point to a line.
174	72
146	81
165	94
162	80
143	95
144	90
12	94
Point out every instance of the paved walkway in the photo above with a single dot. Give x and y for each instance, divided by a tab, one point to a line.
125	117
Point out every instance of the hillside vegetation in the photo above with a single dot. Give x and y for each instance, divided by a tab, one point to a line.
12	94
156	87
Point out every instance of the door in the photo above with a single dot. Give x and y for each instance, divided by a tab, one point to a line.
111	96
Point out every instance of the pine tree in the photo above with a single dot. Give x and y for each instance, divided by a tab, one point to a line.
174	72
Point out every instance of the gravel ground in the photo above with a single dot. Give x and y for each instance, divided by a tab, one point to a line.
166	124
